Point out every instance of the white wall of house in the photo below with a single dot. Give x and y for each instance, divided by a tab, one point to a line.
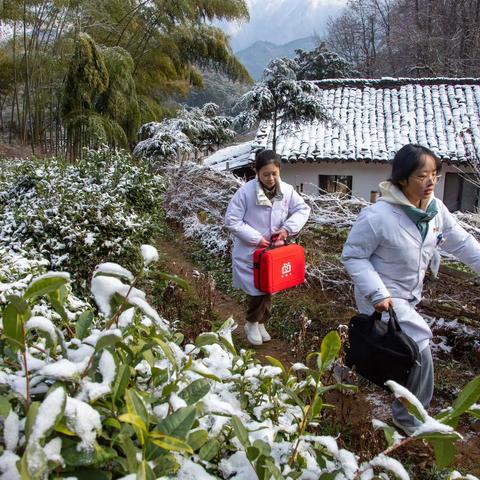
365	176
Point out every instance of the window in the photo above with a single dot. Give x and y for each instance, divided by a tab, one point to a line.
300	188
335	184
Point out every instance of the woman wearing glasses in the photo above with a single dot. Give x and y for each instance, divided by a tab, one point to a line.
390	248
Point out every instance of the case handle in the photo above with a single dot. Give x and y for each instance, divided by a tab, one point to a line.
393	324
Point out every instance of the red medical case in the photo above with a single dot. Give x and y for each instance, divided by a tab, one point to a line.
278	268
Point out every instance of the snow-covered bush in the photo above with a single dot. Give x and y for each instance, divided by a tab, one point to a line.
118	391
197	197
75	215
280	99
191	131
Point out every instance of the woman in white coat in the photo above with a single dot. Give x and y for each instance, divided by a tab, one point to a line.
262	208
390	248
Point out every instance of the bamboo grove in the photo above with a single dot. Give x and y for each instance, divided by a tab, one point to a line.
77	74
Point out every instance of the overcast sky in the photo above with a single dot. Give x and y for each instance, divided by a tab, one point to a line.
281	21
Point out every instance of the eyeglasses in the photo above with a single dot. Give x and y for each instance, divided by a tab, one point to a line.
424	178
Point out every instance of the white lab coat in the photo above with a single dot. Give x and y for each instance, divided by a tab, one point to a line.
385	256
249	221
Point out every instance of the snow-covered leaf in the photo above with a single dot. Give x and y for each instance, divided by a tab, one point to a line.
170	443
83	323
45	284
195	391
178	423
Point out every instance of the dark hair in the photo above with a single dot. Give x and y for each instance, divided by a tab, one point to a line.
266	157
408	159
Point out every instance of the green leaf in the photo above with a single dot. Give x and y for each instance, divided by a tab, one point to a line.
276	363
57	304
179	423
144	472
197	439
167	351
83	323
21	306
136	406
33	465
106	341
166	465
169	443
13	327
88	457
444	452
112	422
4	407
330	348
31	415
317	406
452	436
195	391
121	382
263	447
294	397
411	408
130	451
252	453
389	433
467	397
210	376
209	450
240	431
54	404
43	286
135	420
228	345
206	339
273	469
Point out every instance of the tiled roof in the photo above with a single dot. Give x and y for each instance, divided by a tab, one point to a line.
375	118
230	158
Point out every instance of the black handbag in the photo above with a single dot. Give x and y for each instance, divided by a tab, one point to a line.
381	351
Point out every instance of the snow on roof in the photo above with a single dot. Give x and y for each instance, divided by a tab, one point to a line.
375	117
230	157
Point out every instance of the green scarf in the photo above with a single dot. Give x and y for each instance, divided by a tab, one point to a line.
420	217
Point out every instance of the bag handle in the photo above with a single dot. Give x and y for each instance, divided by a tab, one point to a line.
272	245
393	324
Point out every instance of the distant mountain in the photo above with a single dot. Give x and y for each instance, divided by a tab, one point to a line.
281	21
256	57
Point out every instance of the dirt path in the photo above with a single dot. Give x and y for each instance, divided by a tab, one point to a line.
355	411
180	264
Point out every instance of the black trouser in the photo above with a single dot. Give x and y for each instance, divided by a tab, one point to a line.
259	308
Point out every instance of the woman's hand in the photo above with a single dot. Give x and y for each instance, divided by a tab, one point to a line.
281	235
263	243
384	305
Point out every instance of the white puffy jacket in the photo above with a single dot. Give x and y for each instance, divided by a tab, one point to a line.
251	216
386	257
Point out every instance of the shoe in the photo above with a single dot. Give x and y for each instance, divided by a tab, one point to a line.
263	332
253	334
408	430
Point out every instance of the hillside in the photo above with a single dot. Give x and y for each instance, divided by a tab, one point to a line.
256	57
137	369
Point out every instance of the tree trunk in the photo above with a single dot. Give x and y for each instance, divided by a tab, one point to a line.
14	95
27	116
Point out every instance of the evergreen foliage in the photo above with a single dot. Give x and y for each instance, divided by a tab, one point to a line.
322	63
121	60
77	215
280	97
191	131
